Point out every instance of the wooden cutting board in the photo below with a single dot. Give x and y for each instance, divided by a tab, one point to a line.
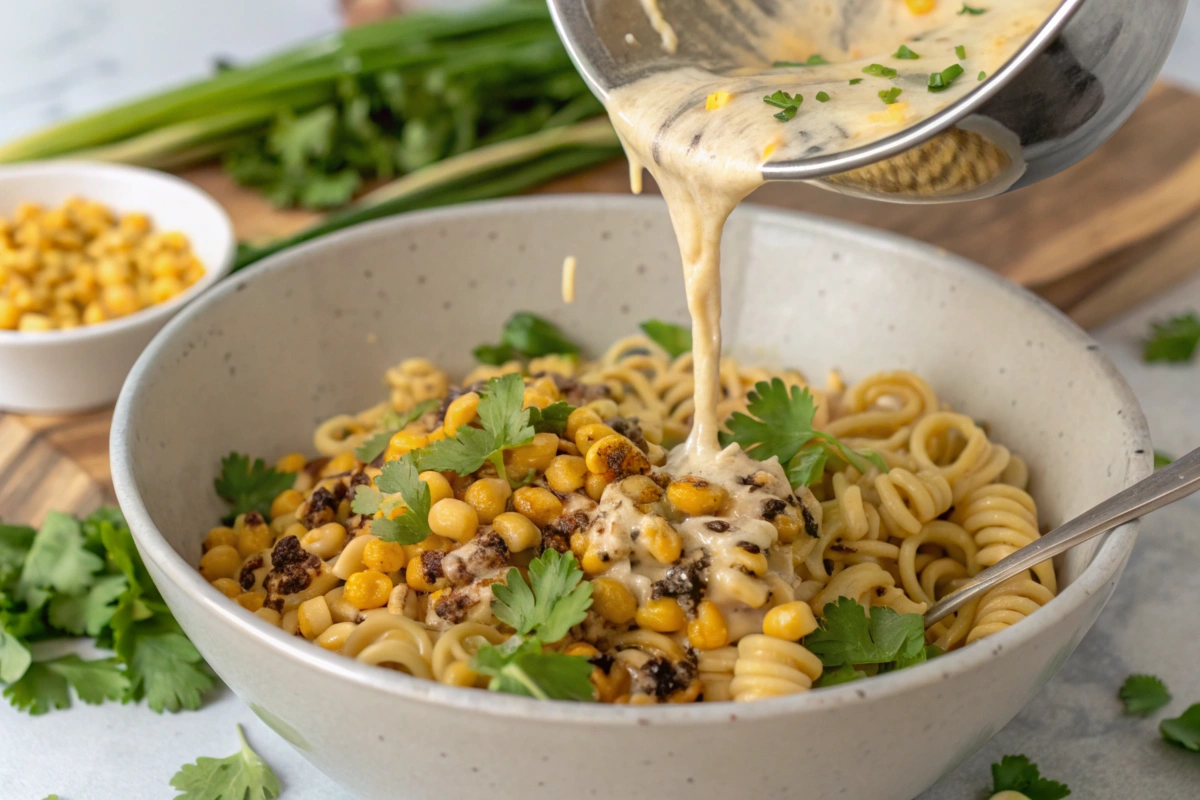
1097	239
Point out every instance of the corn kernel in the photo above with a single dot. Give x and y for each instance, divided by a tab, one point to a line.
708	630
593	563
695	497
9	315
663	615
384	556
460	674
34	323
228	587
251	601
286	502
517	531
616	457
489	497
403	442
717	100
595	485
535	456
120	300
254	537
580	649
566	474
538	504
335	635
787	526
661	540
439	487
164	288
791	621
222	561
269	615
612	600
292	462
220	535
368	589
341	463
463	410
588	435
324	541
580	418
453	519
313	617
416	577
920	6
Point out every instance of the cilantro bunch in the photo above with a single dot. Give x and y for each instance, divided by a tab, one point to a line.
852	645
526	336
84	578
780	424
541	612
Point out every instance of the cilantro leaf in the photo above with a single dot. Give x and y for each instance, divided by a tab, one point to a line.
249	487
1017	774
848	636
1173	341
14	657
554	600
789	103
552	418
1143	694
57	561
89	612
367	500
526	335
241	776
1161	459
506	424
15	541
168	669
520	667
39	691
371	449
843	674
412	526
675	339
807	467
1183	730
94	681
514	602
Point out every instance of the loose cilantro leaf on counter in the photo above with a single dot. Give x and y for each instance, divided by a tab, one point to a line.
1173	341
966	9
1143	694
370	450
848	636
788	102
398	477
1161	459
526	335
905	53
780	424
889	96
879	71
249	486
675	339
1017	774
1183	730
241	776
552	418
812	61
940	81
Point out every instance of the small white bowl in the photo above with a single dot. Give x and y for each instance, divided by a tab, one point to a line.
83	368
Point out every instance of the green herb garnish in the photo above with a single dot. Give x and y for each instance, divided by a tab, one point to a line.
241	776
960	51
1173	341
249	486
966	9
812	61
905	53
982	75
1143	694
399	477
675	339
848	636
888	96
1161	459
371	449
789	103
940	81
1018	774
1183	730
822	97
541	612
880	71
855	81
779	424
527	336
551	419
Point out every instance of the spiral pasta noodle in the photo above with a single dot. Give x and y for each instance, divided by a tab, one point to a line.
770	667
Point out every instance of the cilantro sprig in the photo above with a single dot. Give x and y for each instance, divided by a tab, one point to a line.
72	578
392	423
847	636
526	335
675	339
249	486
541	612
399	477
780	424
241	776
1019	774
1174	340
1144	694
1183	730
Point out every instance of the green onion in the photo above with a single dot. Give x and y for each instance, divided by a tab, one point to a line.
822	97
940	81
813	61
855	81
905	53
888	96
982	75
966	9
960	51
879	71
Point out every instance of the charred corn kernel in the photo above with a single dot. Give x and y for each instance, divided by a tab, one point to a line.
538	504
9	315
663	615
717	100
641	489
612	600
579	418
439	487
368	589
708	630
251	601
616	457
383	556
517	531
222	561
218	536
788	528
463	410
695	497
254	537
536	455
566	473
269	615
335	636
342	462
580	649
403	442
920	6
417	577
595	485
286	502
313	617
292	462
325	541
588	435
454	519
228	587
792	621
459	674
661	540
489	498
593	562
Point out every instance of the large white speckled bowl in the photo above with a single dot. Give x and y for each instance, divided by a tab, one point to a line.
254	364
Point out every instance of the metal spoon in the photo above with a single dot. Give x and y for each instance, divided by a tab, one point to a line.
1171	483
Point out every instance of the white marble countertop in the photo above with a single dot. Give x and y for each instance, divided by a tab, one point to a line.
64	57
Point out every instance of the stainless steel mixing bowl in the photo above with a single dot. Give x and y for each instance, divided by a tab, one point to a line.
1059	98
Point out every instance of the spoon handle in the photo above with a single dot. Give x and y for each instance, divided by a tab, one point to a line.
1165	486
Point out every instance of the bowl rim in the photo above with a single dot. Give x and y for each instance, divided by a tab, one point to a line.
158	182
1104	567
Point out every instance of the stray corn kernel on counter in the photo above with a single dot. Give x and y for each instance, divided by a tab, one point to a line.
538	528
